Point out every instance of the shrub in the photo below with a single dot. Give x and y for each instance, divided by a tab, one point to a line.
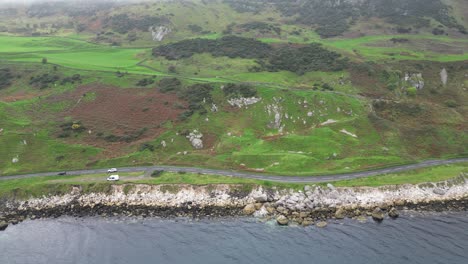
145	82
157	173
195	28
43	81
451	103
147	146
72	79
411	91
70	128
197	94
169	84
5	77
239	90
172	69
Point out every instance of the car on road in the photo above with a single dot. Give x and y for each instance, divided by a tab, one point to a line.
112	170
62	173
113	178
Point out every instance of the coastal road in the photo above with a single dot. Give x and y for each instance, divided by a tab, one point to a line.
257	176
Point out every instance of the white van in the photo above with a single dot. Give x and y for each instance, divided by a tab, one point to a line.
113	178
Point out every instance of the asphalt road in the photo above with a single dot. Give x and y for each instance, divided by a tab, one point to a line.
258	176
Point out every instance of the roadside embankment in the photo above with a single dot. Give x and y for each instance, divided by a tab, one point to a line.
312	205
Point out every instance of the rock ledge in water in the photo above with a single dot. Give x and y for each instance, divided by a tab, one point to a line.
3	225
282	220
378	214
321	224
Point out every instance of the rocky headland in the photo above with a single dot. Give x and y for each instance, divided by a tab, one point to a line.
312	205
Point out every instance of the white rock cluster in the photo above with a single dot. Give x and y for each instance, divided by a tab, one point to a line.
195	138
243	101
415	79
276	111
158	33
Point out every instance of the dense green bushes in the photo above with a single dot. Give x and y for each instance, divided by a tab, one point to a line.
74	78
169	84
305	59
197	95
289	58
230	46
43	81
261	27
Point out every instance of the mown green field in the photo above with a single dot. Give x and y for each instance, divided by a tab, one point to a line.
82	55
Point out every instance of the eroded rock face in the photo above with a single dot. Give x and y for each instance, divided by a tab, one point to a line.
313	204
159	32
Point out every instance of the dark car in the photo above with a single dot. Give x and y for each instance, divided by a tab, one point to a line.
62	173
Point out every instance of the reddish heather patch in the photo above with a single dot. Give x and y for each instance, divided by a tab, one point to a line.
17	97
120	112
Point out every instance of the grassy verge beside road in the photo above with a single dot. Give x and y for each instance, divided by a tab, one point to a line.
56	185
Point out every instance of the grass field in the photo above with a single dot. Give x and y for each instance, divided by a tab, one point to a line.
236	138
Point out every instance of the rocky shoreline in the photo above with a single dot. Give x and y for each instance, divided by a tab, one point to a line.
312	205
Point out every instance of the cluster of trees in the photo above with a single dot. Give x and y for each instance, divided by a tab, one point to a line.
230	46
290	58
5	77
122	23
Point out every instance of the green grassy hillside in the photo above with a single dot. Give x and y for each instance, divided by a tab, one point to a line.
91	88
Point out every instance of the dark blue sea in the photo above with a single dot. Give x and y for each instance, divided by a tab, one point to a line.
413	238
